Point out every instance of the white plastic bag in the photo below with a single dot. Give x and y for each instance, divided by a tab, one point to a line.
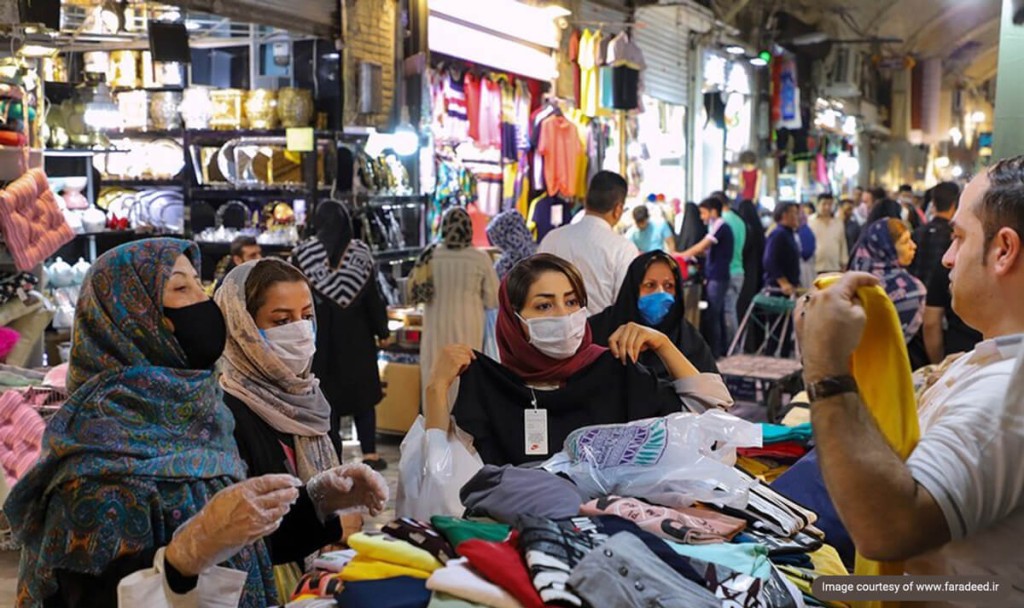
218	587
674	461
433	468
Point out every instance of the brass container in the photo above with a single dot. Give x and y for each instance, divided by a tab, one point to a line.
261	109
55	68
123	70
163	110
294	107
227	109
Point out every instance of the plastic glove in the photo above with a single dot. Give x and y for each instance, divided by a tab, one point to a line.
346	489
235	517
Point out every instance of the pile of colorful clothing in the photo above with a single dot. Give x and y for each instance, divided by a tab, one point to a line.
781	447
530	539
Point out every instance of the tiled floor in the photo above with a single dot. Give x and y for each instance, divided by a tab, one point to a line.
388	448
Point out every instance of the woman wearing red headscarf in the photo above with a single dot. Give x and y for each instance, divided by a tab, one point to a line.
552	379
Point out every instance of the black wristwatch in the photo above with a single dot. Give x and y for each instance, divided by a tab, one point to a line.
831	386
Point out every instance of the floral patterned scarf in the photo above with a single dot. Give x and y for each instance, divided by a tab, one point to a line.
142	444
289	403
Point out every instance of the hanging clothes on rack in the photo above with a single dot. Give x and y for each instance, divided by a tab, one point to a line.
547	213
627	61
588	62
560	148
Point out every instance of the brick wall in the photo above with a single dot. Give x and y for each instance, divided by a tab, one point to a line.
370	36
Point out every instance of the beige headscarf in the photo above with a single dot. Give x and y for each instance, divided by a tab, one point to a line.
251	372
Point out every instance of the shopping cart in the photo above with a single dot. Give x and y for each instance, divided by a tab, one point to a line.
767	367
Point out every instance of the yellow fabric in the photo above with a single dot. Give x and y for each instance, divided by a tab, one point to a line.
762	470
286	579
508	181
530	222
366	569
881	367
827	562
587	61
523	204
386	549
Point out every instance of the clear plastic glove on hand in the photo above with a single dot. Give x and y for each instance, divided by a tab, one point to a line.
346	489
235	517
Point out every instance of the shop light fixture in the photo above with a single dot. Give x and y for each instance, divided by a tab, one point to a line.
557	12
942	162
978	117
101	114
956	135
735	49
36	50
758	61
850	125
957	172
405	141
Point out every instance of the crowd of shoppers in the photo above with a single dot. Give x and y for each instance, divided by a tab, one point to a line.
213	425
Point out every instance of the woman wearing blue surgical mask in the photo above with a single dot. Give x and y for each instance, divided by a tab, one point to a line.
552	378
282	418
652	295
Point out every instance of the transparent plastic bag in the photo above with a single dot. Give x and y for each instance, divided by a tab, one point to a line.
432	469
674	461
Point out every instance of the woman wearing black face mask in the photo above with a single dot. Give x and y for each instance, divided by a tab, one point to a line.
144	430
282	419
549	362
652	295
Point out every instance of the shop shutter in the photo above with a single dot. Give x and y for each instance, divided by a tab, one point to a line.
314	17
665	41
593	14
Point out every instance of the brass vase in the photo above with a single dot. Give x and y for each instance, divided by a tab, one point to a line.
163	110
123	70
227	109
294	107
261	109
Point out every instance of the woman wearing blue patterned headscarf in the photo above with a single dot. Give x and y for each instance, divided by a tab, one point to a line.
508	231
142	452
885	249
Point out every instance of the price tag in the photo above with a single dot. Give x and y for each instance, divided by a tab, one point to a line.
557	216
535	421
299	139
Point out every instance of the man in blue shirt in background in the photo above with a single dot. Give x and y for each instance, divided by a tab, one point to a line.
650	235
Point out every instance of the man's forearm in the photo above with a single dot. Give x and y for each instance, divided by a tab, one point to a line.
888	515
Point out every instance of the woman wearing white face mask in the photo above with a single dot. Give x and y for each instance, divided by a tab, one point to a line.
552	379
282	419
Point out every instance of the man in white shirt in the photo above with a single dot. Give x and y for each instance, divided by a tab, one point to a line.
602	255
832	254
956	507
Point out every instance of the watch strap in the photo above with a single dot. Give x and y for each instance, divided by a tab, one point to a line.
831	386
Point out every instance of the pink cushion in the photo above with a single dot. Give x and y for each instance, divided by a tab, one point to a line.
21	436
31	222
